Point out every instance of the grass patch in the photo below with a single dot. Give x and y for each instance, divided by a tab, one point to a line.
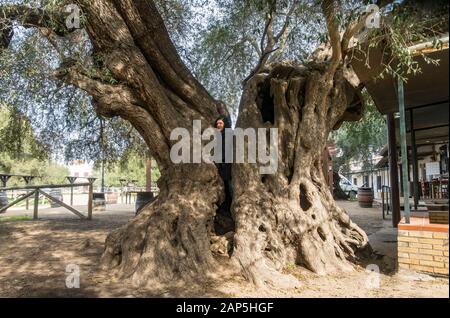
15	218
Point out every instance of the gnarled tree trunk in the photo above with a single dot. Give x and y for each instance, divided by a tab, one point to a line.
170	238
290	217
287	217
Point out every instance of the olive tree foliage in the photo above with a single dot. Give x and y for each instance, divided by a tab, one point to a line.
245	36
132	68
354	139
62	115
411	22
234	42
21	153
17	138
223	42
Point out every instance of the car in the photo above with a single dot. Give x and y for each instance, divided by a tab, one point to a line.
349	188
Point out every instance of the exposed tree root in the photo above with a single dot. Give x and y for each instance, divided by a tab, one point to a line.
169	240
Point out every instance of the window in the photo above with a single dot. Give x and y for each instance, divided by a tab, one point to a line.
378	182
366	181
355	181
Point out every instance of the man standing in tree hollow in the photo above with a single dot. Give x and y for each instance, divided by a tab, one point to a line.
221	123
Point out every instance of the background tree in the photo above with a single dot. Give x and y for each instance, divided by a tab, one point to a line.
354	139
21	153
125	59
17	139
130	167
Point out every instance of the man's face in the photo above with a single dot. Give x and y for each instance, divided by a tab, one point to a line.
220	125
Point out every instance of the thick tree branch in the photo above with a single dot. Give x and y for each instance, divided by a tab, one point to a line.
285	26
267	47
269	40
29	17
266	27
329	8
112	39
353	29
113	95
148	70
253	43
120	100
269	33
150	33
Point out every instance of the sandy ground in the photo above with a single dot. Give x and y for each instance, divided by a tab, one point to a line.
34	256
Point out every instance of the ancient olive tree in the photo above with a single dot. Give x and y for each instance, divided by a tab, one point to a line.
134	71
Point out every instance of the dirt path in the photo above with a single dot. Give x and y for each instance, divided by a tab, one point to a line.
34	256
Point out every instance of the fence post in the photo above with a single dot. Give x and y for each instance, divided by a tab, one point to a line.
91	194
71	181
91	190
28	180
36	204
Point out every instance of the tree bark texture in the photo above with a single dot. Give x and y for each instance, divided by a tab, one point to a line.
289	217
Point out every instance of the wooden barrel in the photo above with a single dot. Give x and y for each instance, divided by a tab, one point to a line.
3	199
142	198
365	197
111	197
98	201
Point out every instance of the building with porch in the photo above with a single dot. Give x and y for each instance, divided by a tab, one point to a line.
417	115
